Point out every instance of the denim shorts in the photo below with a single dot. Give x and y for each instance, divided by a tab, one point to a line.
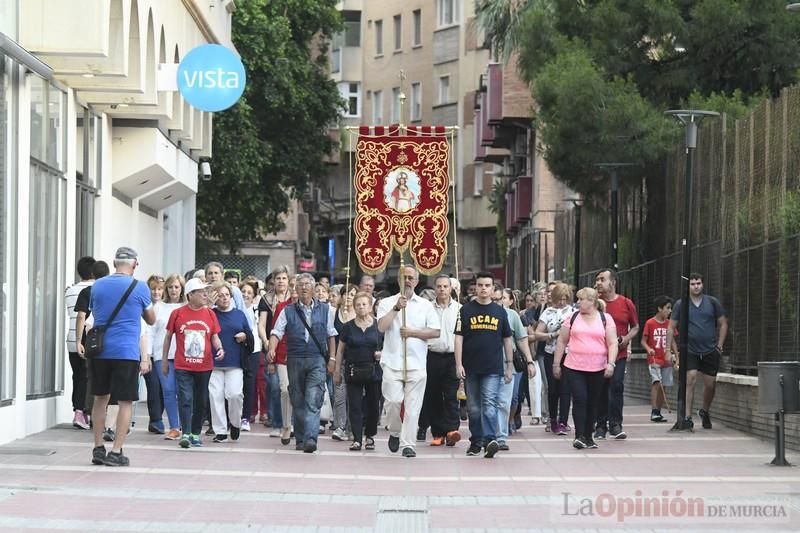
660	373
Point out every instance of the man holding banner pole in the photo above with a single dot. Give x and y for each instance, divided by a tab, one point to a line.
404	358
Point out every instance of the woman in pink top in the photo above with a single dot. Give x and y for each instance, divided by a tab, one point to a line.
591	336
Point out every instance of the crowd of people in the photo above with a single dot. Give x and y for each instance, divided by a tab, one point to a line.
216	350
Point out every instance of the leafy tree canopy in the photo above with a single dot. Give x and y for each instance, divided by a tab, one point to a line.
603	71
270	145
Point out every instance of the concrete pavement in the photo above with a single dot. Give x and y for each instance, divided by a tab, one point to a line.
711	480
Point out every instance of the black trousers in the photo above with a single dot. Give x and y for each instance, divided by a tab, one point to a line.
440	405
249	372
155	398
363	408
587	392
80	380
558	393
609	412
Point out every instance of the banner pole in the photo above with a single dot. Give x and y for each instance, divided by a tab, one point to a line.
403	317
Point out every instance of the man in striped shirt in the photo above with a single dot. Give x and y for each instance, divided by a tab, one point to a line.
79	380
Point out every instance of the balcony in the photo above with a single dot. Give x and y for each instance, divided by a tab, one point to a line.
523	199
511	212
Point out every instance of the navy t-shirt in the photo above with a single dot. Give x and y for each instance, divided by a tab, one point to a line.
230	323
361	345
121	340
702	323
483	328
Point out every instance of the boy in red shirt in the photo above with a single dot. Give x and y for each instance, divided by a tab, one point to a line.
196	330
659	355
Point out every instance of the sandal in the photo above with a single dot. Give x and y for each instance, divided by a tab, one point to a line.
355	447
370	443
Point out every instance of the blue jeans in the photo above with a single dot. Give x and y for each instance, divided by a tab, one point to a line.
274	399
306	392
482	402
192	399
169	386
505	399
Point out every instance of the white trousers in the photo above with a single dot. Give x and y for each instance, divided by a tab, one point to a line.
286	402
226	384
395	394
535	388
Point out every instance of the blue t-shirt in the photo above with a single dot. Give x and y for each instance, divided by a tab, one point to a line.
702	323
230	323
121	340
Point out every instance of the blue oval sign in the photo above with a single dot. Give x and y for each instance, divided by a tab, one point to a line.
211	77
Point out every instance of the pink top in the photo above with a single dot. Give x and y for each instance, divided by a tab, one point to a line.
588	350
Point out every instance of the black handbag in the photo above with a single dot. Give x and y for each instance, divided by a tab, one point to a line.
94	337
359	373
520	364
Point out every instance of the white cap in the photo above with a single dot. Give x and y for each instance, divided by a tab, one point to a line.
195	284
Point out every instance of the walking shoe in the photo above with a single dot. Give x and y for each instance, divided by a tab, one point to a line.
503	446
473	450
491	449
518	420
688	422
339	434
172	434
286	436
437	441
108	435
704	416
235	432
98	455
580	443
452	438
321	430
552	427
394	444
156	427
116	459
195	440
590	443
262	418
219	437
185	442
600	433
79	421
275	433
421	434
409	452
561	429
210	431
310	446
616	431
245	425
462	412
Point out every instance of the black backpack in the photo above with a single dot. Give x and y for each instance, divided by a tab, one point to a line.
576	313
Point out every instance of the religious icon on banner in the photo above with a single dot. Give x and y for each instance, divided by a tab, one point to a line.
401	189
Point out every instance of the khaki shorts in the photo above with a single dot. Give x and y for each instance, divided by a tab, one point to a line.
662	374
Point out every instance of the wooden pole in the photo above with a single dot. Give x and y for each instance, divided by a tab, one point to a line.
403	316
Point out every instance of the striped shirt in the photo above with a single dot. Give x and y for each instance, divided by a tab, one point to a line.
70	296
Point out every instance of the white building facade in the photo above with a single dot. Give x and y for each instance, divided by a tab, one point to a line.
93	156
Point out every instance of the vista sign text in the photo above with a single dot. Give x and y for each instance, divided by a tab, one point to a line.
211	77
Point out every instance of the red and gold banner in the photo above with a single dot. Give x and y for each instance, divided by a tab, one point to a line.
401	186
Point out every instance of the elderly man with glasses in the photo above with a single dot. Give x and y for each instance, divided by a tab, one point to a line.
308	327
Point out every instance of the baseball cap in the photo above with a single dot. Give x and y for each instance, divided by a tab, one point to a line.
126	253
195	284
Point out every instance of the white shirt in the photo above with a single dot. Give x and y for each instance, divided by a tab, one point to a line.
446	343
420	314
70	297
158	331
280	324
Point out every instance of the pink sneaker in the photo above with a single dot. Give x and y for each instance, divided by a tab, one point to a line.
562	429
79	420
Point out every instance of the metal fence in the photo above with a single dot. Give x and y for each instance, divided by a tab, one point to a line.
746	233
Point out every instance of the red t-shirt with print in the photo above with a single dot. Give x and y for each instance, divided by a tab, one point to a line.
193	329
655	335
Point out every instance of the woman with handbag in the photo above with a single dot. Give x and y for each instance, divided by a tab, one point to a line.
359	351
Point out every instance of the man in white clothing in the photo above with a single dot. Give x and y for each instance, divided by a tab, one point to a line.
421	325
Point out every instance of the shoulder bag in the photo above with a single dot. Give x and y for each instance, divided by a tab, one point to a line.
94	337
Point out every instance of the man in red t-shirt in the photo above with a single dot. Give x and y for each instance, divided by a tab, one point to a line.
622	310
196	330
659	355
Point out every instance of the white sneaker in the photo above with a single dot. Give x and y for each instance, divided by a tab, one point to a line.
245	425
339	434
275	433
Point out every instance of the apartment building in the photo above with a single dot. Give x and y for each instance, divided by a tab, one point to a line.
435	44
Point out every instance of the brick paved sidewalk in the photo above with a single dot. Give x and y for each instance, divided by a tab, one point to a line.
718	476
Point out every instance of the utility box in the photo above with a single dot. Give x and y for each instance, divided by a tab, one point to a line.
774	397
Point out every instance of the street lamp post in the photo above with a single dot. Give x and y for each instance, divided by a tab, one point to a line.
690	119
613	169
578	204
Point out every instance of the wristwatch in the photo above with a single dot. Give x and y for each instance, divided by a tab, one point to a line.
396	309
531	363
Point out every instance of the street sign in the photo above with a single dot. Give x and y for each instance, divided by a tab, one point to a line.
211	77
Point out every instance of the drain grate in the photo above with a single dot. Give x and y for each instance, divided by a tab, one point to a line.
42	452
402	514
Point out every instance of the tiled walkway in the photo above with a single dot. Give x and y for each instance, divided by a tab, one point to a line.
708	480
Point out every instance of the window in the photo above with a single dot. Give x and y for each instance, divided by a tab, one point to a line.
88	180
398	33
478	187
352	28
351	94
417	27
447	14
492	251
378	37
416	101
395	105
377	108
444	89
336	52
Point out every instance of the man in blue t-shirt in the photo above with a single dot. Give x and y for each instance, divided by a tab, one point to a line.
708	328
484	357
115	370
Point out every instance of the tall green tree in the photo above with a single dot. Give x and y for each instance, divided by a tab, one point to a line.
270	146
603	71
